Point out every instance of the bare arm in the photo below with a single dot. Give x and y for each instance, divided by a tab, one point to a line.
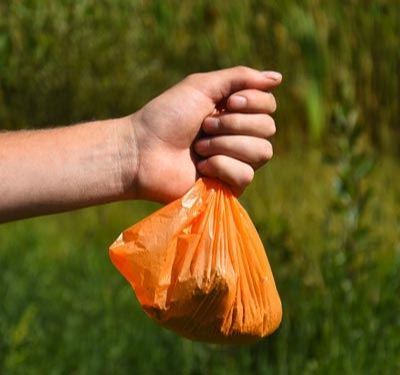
48	171
153	154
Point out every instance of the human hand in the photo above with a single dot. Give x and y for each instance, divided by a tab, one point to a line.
214	124
197	127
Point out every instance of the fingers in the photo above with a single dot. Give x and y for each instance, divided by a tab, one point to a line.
233	172
238	144
252	150
221	83
238	141
251	101
256	125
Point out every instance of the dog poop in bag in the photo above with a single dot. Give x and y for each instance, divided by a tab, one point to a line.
199	268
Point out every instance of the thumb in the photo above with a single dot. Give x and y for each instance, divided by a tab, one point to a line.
219	84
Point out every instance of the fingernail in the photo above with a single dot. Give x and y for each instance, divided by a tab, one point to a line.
212	123
275	76
238	101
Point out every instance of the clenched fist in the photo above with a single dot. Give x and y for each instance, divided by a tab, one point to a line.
215	124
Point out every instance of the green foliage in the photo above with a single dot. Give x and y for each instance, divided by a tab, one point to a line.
328	215
64	308
64	61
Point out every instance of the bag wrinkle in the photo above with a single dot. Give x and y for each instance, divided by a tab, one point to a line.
199	268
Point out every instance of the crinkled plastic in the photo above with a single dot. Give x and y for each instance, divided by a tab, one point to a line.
199	268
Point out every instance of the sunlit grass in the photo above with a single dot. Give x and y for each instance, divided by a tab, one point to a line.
65	308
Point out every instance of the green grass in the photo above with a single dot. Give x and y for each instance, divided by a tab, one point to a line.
65	309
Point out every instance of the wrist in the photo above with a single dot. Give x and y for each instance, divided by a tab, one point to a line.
128	156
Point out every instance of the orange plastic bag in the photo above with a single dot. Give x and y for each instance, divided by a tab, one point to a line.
198	267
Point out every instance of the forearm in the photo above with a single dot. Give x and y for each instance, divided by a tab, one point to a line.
49	171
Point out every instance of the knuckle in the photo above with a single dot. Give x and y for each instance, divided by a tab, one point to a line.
266	152
247	177
271	126
193	78
273	103
270	151
242	69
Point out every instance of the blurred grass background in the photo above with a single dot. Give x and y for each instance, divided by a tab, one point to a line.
327	207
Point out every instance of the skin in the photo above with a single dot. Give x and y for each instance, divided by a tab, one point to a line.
215	124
